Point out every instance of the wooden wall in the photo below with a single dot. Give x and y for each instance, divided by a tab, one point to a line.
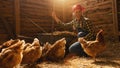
118	16
35	16
6	19
35	12
118	10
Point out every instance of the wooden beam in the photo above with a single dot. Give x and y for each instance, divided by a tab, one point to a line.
115	18
24	37
17	16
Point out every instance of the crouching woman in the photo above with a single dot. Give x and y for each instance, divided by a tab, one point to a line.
80	24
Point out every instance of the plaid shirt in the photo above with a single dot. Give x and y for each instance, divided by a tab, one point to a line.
84	24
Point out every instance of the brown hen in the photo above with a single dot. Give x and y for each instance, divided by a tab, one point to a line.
93	48
32	52
11	57
8	43
57	50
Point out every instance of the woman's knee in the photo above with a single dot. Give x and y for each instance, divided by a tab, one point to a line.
74	47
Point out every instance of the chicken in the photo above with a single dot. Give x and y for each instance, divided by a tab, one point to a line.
11	57
57	50
93	48
45	50
32	52
8	43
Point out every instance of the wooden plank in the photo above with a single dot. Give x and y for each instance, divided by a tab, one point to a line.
17	16
30	34
36	13
33	26
103	8
3	36
6	15
37	3
107	13
99	4
35	30
29	24
118	14
38	21
103	23
10	20
8	28
35	6
40	24
115	18
36	17
100	17
6	10
2	30
100	11
6	2
2	27
5	6
24	37
36	10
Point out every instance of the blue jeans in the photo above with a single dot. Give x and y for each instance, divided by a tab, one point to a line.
82	33
76	48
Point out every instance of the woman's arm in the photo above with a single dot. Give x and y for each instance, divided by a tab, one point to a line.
59	22
55	17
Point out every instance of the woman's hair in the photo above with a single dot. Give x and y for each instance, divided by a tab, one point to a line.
77	6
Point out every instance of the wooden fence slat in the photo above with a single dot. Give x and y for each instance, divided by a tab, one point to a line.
17	16
115	19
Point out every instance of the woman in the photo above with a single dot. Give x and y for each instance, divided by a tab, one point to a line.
80	24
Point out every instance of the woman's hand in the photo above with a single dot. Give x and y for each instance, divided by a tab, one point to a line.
55	17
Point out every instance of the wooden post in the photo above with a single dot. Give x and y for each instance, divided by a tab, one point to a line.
17	16
115	18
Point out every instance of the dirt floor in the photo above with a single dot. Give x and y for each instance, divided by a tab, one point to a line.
109	59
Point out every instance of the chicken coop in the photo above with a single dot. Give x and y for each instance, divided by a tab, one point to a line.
28	19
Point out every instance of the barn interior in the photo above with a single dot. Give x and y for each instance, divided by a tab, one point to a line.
29	19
